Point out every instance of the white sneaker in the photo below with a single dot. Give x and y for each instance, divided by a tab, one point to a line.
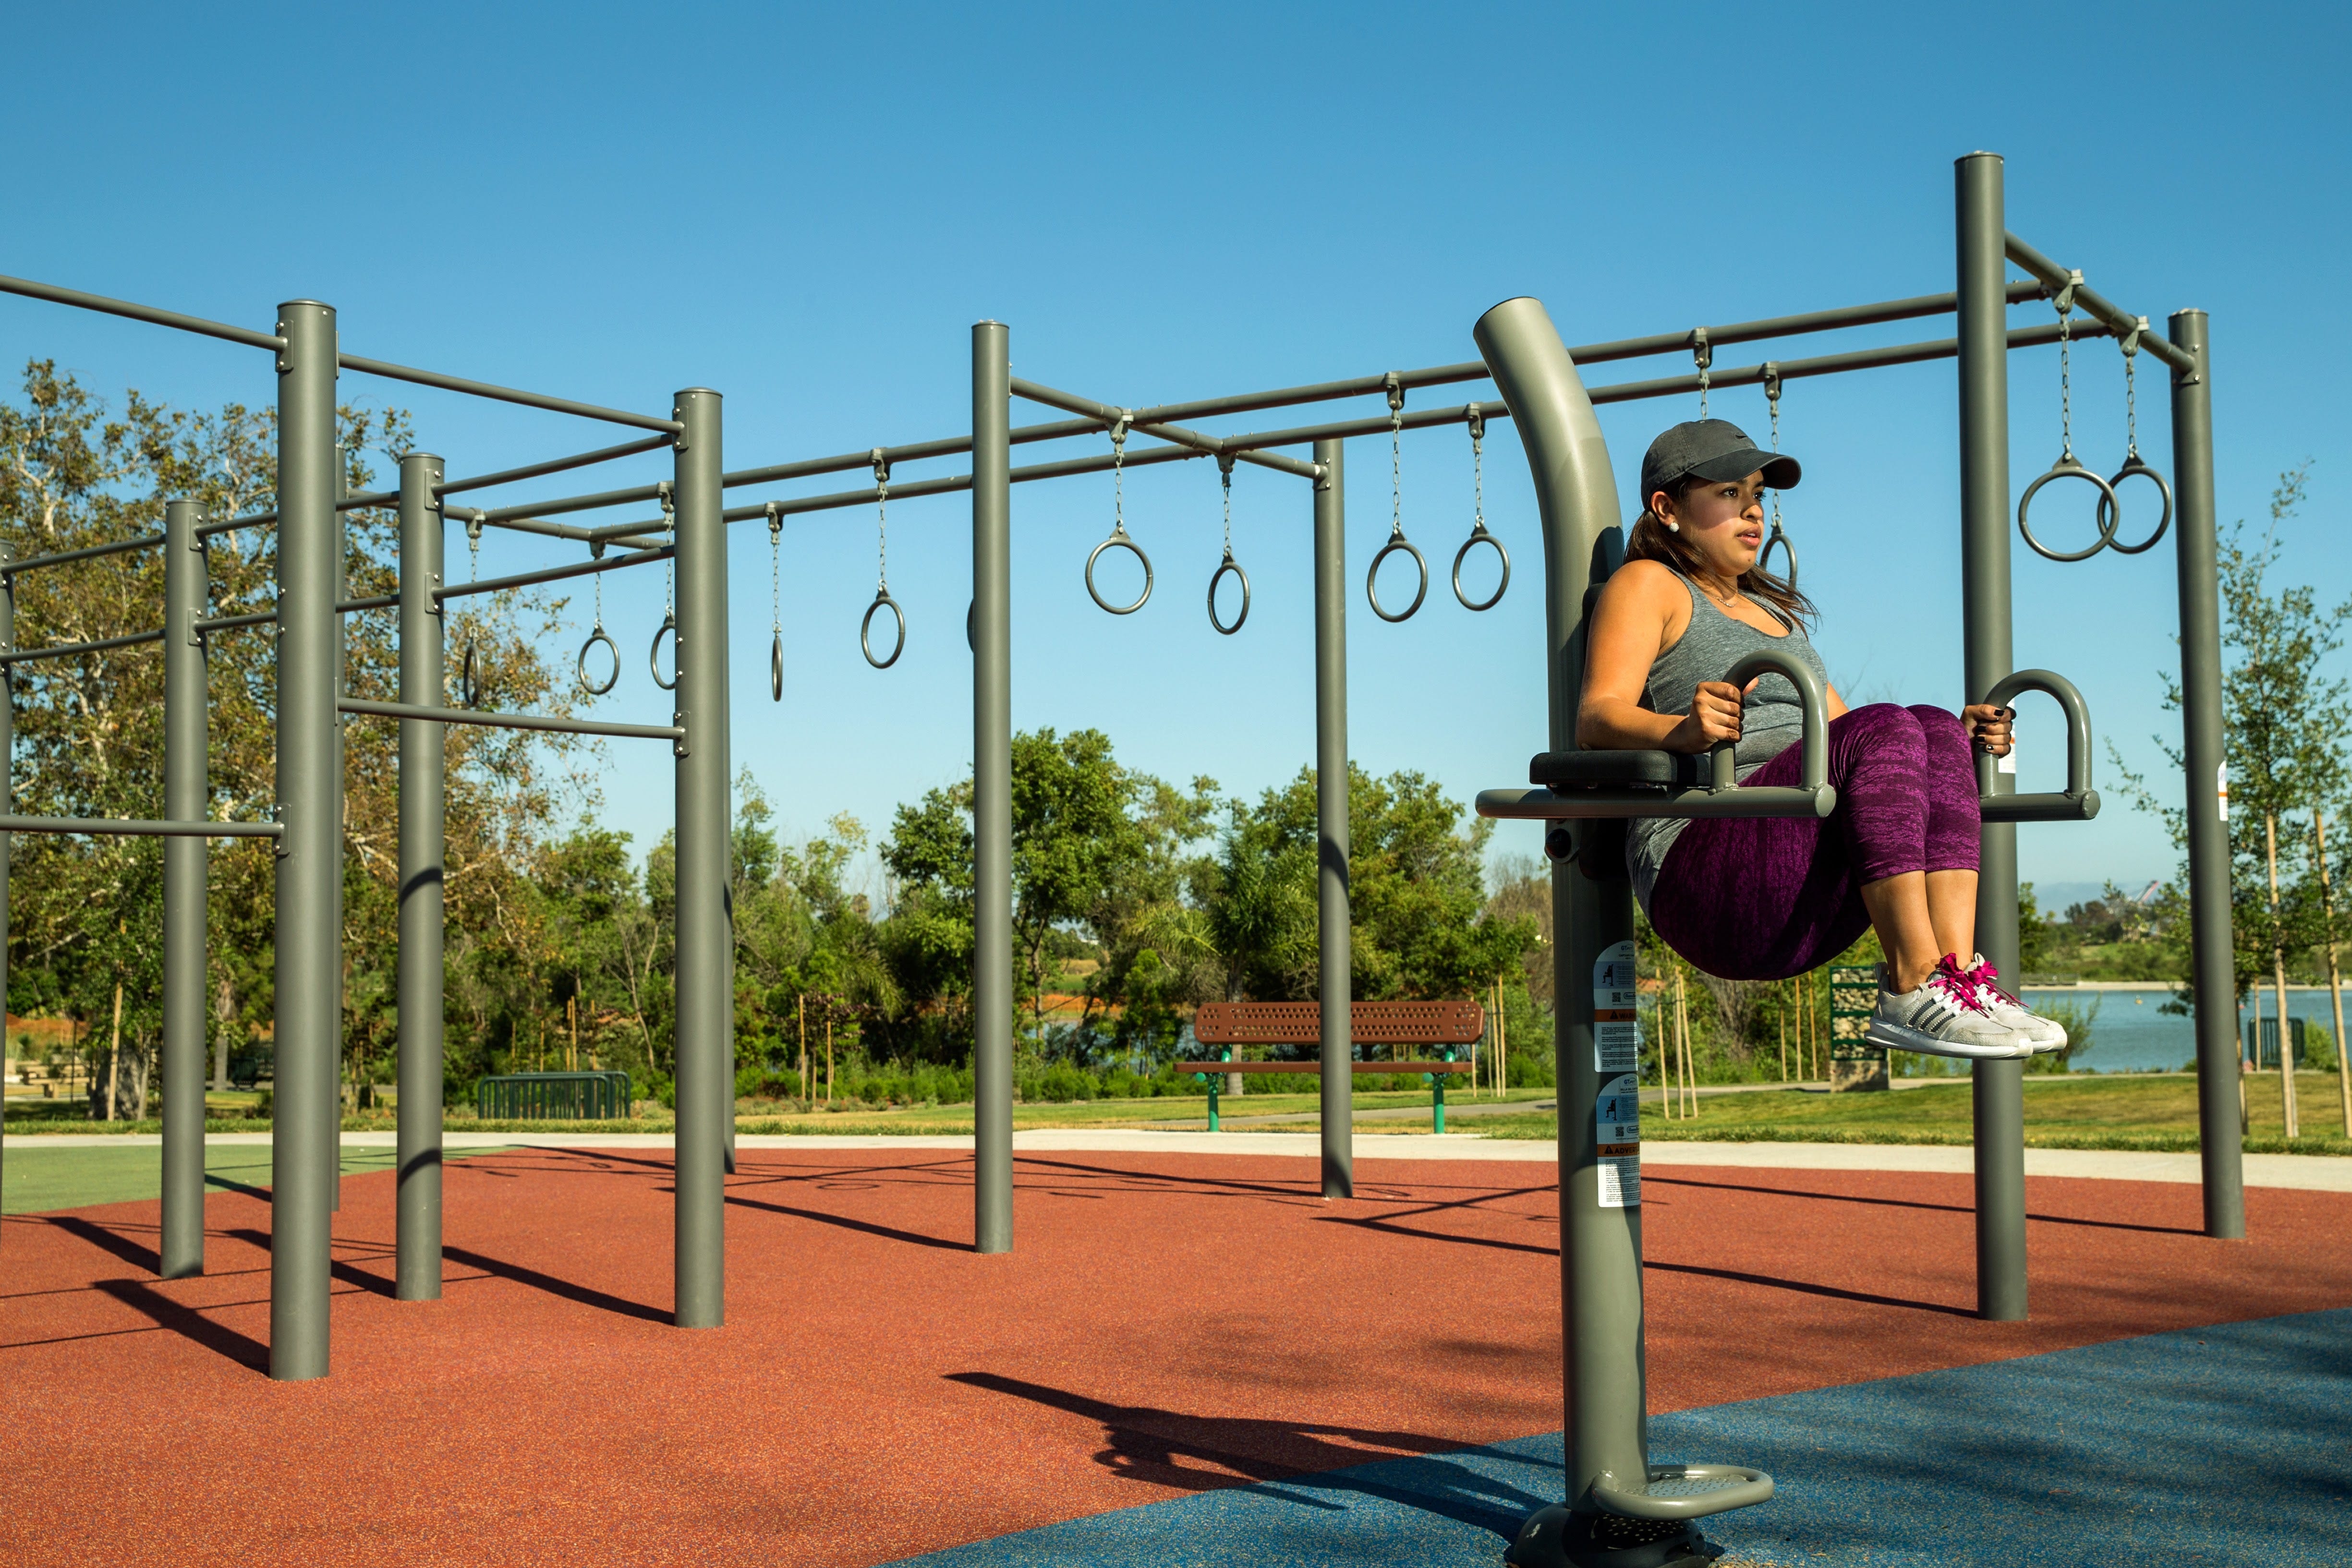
2047	1034
1942	1018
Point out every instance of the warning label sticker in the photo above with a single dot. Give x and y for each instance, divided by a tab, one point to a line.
1613	980
1617	1112
1617	1047
1621	1181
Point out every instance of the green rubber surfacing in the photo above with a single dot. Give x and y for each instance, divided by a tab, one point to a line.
38	1180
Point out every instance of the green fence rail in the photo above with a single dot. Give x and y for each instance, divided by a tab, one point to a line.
554	1097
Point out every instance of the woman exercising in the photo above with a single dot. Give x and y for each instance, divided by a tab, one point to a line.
1763	898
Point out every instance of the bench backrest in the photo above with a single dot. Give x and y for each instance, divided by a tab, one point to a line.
1371	1023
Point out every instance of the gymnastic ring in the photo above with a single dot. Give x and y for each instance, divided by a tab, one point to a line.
669	628
2110	515
2133	468
468	695
1479	535
1229	564
1788	548
776	669
591	687
866	627
1120	540
1371	578
971	625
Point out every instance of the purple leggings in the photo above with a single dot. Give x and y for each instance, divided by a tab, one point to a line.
1763	898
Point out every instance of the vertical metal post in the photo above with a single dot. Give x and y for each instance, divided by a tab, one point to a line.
7	775
1336	981
186	736
705	929
1601	1224
1999	1087
2205	753
422	684
992	781
334	1085
310	944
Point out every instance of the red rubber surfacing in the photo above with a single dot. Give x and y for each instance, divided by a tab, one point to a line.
1169	1322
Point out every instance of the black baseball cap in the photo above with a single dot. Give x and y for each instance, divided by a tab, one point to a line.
1714	450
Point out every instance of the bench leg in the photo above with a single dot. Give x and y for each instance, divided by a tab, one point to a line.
1437	1105
1213	1100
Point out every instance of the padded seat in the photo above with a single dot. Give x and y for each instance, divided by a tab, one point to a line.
1615	770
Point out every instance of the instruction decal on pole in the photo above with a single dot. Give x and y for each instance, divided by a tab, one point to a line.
2222	789
1617	1134
1616	1036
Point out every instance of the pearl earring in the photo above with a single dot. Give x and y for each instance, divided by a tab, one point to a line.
1672	527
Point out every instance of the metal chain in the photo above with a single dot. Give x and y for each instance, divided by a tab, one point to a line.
1119	474
2131	399
1772	397
474	546
776	570
1225	474
1703	352
1396	455
881	521
2065	303
598	579
669	562
1477	473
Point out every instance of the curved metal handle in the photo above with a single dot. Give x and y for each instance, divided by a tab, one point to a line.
2078	726
1813	762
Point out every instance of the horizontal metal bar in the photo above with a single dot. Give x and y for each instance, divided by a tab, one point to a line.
511	720
620	534
2049	808
1834	364
231	623
1371	424
554	465
374	601
554	573
1788	326
2055	277
92	552
148	313
1586	805
68	650
504	394
1150	456
134	827
1108	415
230	525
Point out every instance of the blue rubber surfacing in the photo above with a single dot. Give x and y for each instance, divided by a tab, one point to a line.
2230	1445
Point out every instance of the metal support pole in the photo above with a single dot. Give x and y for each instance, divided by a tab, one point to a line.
310	944
7	773
2206	756
706	931
1336	977
991	778
418	1272
1999	1087
1592	917
186	740
334	1085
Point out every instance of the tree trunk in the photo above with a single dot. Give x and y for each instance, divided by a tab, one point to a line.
2278	983
2334	976
114	1056
224	1016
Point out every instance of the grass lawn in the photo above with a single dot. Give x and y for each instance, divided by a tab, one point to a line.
36	1180
2080	1110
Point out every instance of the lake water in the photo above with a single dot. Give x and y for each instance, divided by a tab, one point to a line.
2131	1033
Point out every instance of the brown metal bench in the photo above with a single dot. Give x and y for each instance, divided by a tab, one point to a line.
1391	1024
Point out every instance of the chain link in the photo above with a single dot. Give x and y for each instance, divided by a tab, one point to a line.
474	546
1396	457
2065	303
1478	472
881	521
1772	398
669	562
2131	402
1119	476
1225	476
1703	354
776	570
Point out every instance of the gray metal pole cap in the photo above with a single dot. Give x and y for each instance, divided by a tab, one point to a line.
1712	450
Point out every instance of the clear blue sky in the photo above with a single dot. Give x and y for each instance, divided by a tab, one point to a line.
806	206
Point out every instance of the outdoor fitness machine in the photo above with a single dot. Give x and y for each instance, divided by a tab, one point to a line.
1611	1488
1620	1509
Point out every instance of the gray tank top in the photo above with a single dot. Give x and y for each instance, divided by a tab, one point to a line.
1770	720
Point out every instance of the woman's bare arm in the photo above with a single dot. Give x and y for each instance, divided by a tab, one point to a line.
1643	608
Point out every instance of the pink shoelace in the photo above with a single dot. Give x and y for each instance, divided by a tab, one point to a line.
1983	976
1958	984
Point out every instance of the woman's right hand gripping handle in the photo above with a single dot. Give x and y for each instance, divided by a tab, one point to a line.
1713	717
